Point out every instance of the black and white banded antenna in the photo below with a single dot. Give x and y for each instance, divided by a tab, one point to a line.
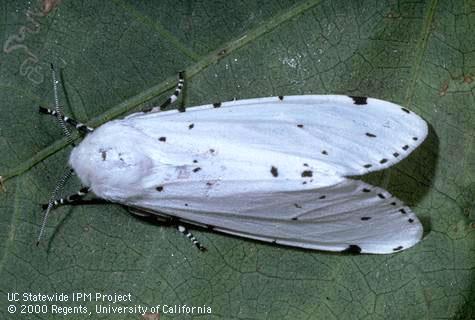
53	197
57	107
69	172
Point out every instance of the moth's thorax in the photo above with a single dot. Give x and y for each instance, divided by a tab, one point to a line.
110	161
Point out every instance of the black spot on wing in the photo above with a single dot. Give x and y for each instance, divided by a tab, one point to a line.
322	197
195	161
414	138
216	104
159	188
402	211
281	97
366	190
370	135
405	147
410	220
384	160
297	205
398	248
381	196
294	218
368	166
274	172
162	139
324	152
405	110
359	100
305	164
352	248
196	169
191	126
307	173
365	218
300	125
395	154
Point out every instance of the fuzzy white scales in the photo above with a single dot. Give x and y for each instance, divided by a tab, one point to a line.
273	169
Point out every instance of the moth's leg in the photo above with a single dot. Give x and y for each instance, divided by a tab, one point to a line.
173	97
190	236
83	202
81	127
72	199
184	230
164	219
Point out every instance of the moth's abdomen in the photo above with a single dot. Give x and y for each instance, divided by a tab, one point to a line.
112	161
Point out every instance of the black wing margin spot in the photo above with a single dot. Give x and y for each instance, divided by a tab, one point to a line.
359	100
352	249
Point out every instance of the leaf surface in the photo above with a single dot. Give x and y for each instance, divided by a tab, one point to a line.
118	56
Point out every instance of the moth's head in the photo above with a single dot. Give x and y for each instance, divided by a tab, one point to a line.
111	160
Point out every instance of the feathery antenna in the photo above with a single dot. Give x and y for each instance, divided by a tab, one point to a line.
58	187
57	107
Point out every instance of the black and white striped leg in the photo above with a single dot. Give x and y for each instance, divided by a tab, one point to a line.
173	97
190	236
81	127
69	200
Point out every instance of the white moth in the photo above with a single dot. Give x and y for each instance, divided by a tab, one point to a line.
275	169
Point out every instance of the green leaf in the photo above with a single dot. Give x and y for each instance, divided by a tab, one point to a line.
117	56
